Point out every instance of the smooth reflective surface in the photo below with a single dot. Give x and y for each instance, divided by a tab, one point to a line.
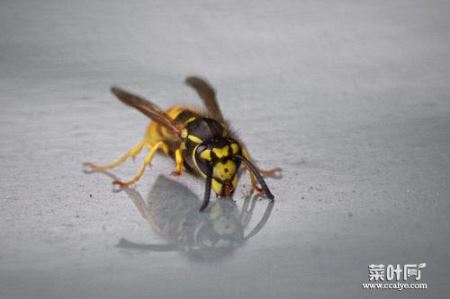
173	212
350	98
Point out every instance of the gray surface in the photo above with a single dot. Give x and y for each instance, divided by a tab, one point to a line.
349	97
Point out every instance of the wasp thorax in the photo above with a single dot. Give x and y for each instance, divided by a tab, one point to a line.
218	154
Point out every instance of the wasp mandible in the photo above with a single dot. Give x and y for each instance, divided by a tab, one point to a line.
201	143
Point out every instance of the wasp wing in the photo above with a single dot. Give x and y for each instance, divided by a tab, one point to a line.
147	108
208	96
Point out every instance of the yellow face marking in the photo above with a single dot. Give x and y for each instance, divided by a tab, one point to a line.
194	139
224	171
206	154
217	187
221	152
235	148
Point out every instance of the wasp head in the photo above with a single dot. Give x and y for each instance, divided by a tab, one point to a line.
217	157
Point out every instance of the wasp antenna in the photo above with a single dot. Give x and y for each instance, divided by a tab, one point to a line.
207	189
258	176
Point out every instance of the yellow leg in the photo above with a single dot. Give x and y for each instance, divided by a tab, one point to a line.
147	161
179	161
269	172
265	173
252	177
131	154
255	185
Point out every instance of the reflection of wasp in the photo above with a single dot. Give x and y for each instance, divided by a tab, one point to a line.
171	209
201	142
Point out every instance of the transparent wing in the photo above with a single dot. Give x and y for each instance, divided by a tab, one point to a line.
208	96
147	108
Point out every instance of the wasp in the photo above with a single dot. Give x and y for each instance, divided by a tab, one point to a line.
199	142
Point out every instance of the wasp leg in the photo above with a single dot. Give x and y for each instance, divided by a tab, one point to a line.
272	172
131	154
179	161
264	172
147	161
255	185
252	177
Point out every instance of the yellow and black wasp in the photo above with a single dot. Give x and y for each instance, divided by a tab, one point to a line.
201	143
